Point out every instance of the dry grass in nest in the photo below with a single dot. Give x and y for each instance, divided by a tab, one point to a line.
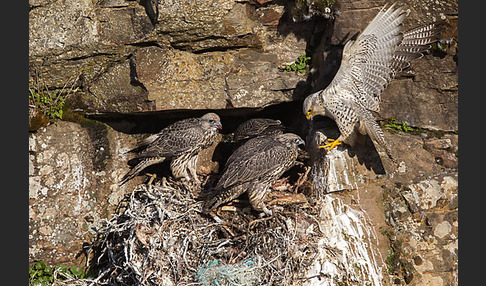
161	236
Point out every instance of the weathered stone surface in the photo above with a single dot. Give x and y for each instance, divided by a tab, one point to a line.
73	185
183	72
424	236
182	80
55	30
415	163
126	25
178	79
69	29
425	99
444	149
81	39
114	90
222	24
254	80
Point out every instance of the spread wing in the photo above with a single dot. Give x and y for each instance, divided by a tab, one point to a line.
254	162
366	63
372	60
177	138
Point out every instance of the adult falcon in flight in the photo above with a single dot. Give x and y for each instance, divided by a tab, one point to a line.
180	142
368	64
253	167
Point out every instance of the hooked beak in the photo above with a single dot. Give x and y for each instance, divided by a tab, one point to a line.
219	125
301	142
309	116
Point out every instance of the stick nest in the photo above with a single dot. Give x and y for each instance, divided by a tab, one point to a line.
160	235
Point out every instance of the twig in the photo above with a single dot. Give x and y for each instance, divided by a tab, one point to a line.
302	179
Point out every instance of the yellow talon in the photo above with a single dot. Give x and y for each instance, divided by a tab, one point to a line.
331	145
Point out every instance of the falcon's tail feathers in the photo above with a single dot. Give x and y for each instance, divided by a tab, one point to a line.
415	42
143	144
369	126
139	167
223	196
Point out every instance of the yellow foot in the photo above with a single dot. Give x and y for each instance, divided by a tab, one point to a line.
331	145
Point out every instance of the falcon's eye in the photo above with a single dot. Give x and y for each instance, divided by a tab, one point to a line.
211	121
299	141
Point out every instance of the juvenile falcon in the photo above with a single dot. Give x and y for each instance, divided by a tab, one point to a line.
368	64
180	142
258	126
253	167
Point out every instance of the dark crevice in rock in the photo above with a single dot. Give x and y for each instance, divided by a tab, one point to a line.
213	49
442	90
229	104
133	72
145	44
90	56
326	57
189	46
404	76
32	7
152	9
152	122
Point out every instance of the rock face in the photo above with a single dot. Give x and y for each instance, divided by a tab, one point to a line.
424	217
179	79
131	56
73	184
141	58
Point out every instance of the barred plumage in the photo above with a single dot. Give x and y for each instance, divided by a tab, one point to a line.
368	64
258	126
253	167
180	142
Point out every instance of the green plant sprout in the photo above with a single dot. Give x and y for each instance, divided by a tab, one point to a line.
41	274
301	65
393	123
50	103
